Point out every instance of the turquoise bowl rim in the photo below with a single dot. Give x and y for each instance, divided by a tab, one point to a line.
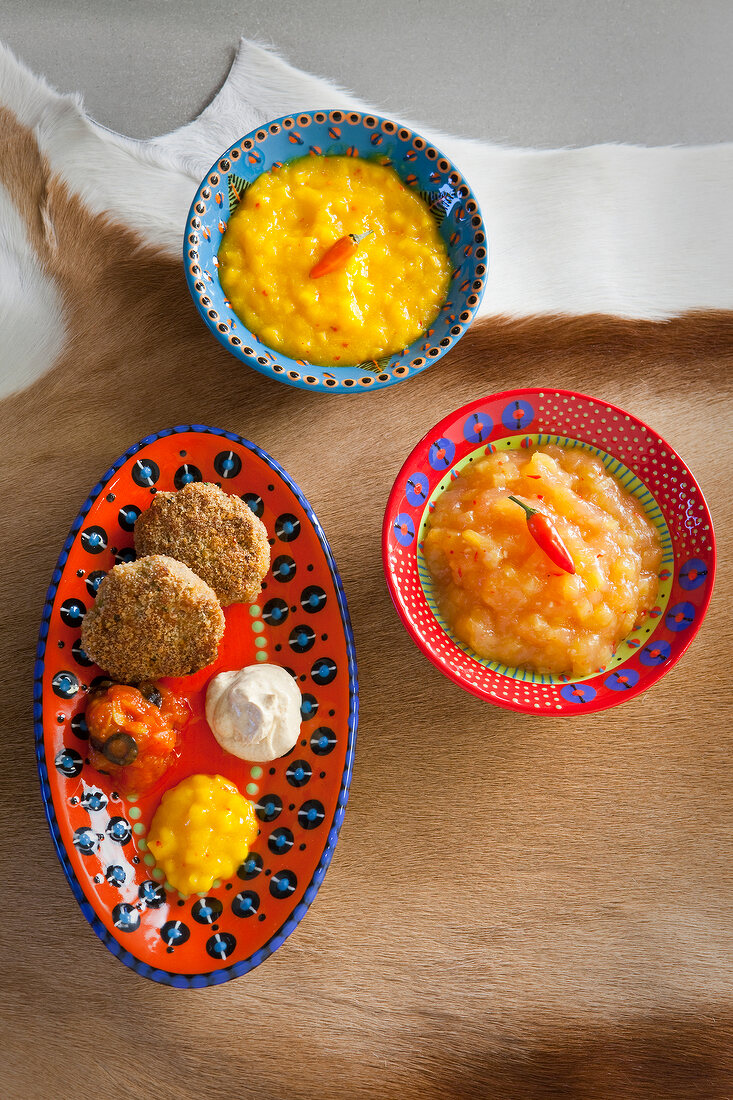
206	213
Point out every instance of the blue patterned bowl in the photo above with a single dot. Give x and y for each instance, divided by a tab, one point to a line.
331	133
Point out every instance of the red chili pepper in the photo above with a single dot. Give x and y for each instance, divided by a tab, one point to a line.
546	536
338	255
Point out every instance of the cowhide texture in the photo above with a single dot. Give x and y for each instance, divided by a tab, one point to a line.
518	906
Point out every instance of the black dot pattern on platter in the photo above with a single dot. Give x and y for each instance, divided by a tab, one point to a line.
324	670
152	893
65	684
127	516
269	807
174	932
207	910
287	527
186	475
94	539
94	580
311	814
313	599
86	840
302	638
119	830
80	656
283	568
280	841
125	917
115	874
227	464
283	884
69	762
145	472
125	555
298	773
275	611
221	945
93	800
245	904
79	727
255	503
251	867
72	612
323	741
308	706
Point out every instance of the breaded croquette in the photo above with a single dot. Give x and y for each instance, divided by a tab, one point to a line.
152	617
214	533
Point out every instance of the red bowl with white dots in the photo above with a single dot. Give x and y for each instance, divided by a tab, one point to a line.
645	465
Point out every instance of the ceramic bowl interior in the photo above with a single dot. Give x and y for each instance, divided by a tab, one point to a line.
646	466
330	133
300	622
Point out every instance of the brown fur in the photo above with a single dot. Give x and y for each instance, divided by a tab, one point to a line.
518	907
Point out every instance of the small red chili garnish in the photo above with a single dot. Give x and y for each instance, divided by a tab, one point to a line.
338	255
546	536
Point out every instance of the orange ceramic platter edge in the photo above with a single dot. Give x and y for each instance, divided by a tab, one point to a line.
301	622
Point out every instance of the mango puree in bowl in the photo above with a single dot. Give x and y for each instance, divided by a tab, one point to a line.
378	303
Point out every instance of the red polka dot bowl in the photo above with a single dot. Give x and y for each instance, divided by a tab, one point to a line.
645	465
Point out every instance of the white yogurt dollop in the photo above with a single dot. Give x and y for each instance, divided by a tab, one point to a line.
254	713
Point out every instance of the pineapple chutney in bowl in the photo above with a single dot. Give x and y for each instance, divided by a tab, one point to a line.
548	551
336	251
502	594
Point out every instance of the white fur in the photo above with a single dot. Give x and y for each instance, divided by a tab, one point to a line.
109	172
620	229
32	334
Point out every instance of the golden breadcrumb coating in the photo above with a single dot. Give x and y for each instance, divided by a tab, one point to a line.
214	533
152	617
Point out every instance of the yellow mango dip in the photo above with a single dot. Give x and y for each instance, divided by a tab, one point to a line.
386	296
201	831
501	594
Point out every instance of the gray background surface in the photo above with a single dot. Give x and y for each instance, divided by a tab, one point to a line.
529	72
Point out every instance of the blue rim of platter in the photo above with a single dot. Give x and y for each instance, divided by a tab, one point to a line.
343	133
224	974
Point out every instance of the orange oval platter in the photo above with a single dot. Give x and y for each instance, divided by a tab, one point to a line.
301	622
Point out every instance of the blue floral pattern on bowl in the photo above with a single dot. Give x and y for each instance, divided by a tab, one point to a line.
337	133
